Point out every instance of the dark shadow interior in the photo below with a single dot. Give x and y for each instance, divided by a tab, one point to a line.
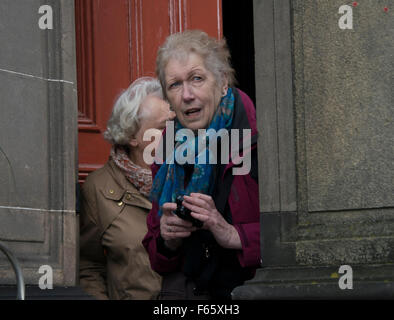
238	31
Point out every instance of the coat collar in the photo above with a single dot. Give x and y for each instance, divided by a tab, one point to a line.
121	190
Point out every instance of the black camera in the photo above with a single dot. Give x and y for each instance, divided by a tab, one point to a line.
184	213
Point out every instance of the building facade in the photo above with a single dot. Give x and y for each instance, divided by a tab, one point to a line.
323	79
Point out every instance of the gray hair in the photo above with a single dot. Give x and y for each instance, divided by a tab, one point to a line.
215	54
126	116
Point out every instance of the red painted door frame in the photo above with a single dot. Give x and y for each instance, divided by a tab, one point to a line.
117	42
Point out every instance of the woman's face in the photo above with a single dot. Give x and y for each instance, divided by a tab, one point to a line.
155	114
192	91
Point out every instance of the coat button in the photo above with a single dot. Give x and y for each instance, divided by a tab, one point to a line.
128	197
111	191
120	203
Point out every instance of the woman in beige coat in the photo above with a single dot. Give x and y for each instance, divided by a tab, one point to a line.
113	262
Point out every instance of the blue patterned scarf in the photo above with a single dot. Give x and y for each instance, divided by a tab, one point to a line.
169	180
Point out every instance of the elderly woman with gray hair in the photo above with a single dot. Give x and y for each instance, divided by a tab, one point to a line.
113	262
217	250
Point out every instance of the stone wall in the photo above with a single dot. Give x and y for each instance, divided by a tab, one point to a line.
38	140
325	112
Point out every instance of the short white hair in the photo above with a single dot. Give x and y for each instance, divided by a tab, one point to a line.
126	116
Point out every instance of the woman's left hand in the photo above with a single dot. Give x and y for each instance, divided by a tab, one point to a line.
203	208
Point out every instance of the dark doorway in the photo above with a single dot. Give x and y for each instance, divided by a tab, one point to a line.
239	33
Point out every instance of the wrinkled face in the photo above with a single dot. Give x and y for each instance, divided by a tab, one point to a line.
192	91
155	112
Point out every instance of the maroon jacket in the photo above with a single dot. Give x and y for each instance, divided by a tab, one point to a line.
235	193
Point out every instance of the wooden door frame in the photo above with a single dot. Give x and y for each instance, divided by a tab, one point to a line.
138	53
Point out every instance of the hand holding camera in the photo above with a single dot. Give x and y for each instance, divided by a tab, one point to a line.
184	213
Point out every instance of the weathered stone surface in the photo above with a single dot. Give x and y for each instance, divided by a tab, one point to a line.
348	105
24	141
318	283
345	251
348	224
344	133
344	136
13	225
366	290
22	41
38	140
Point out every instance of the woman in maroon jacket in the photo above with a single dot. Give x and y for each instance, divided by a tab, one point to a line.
206	261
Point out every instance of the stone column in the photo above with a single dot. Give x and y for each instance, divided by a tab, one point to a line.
326	147
38	140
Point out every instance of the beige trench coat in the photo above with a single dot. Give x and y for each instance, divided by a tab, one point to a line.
113	262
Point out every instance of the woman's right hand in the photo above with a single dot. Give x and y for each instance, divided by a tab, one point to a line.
172	228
